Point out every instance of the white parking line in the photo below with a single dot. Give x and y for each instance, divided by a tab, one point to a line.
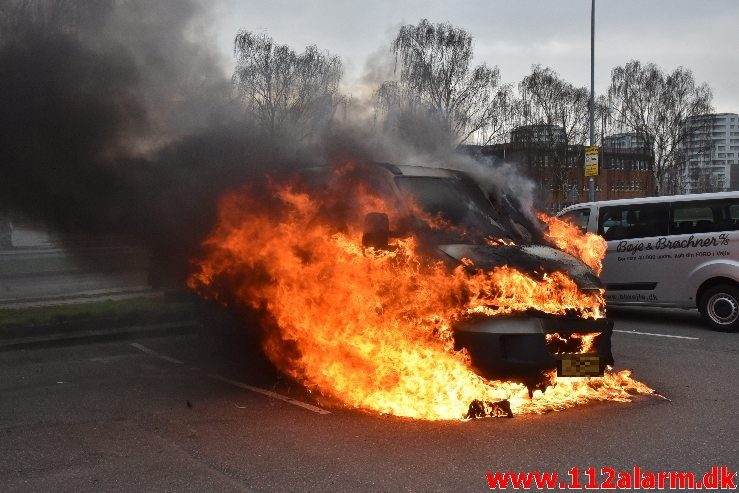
150	351
271	394
656	335
236	383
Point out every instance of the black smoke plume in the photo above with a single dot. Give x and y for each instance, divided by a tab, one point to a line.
117	118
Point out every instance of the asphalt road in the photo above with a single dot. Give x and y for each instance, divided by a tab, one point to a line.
156	415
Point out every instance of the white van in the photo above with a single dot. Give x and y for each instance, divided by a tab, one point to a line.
672	251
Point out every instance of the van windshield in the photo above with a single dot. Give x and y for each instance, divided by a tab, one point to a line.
458	201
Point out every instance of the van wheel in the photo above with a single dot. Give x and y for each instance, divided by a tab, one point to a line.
719	306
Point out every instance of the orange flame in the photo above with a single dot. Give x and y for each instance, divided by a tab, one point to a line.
588	247
372	329
572	343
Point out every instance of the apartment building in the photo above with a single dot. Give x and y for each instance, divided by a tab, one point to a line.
709	152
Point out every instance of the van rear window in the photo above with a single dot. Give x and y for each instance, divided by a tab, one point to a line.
704	216
623	222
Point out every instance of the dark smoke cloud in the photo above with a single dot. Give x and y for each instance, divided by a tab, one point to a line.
118	119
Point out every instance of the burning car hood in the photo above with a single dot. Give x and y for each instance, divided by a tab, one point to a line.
533	258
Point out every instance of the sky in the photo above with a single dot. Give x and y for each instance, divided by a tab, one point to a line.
702	35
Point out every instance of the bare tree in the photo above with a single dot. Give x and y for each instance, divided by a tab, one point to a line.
503	114
703	181
603	118
436	77
394	95
645	100
549	99
289	94
559	112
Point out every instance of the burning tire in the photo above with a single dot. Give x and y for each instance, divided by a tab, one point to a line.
719	306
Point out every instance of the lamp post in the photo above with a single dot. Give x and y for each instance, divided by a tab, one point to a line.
591	180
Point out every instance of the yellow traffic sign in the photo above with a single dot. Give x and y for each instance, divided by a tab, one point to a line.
591	161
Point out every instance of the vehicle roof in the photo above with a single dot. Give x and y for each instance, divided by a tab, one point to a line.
653	200
406	170
426	171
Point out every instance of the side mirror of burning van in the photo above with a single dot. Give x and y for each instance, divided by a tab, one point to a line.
376	231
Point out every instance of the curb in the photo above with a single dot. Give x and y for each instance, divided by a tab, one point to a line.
79	299
99	335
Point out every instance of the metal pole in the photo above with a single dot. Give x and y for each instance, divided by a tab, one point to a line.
591	180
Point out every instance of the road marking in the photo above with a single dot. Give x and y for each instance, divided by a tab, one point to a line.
271	394
656	335
110	359
159	355
236	383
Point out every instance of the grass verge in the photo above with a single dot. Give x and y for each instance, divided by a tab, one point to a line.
133	308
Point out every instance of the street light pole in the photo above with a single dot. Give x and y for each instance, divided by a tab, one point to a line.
591	180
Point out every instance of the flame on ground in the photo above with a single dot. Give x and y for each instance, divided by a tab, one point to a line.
372	329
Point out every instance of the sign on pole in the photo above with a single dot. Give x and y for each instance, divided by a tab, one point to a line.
591	160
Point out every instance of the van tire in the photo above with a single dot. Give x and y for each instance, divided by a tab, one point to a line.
719	306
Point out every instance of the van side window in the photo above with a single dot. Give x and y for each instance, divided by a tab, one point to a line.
704	216
622	222
578	217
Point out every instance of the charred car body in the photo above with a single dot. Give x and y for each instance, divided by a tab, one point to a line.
512	346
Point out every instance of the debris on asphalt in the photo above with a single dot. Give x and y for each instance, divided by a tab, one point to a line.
487	409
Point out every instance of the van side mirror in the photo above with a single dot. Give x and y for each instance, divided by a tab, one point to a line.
376	231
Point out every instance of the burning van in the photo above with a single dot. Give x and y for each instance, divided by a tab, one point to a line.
455	220
409	290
